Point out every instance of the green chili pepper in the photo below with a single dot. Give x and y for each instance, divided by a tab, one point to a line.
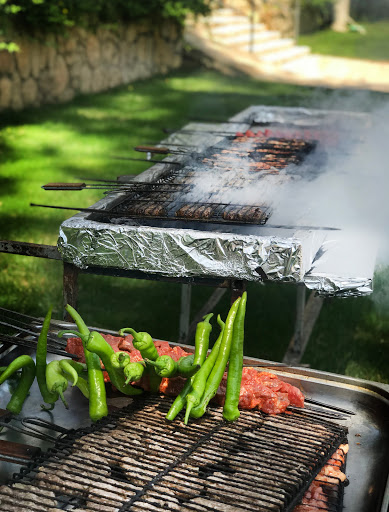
133	372
81	383
41	363
217	372
144	343
235	365
27	365
203	331
97	393
186	368
199	381
66	367
56	381
72	368
164	366
120	359
96	344
180	400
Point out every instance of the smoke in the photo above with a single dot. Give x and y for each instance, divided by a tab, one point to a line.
343	184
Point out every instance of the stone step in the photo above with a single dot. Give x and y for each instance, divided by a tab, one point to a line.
224	11
215	19
242	40
269	46
284	55
237	29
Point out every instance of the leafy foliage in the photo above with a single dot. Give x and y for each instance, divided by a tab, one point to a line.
33	16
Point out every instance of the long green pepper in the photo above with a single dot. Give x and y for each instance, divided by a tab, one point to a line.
235	365
96	344
217	372
69	367
27	365
133	372
180	401
203	330
72	369
144	343
186	368
41	364
97	393
120	359
164	366
199	381
56	380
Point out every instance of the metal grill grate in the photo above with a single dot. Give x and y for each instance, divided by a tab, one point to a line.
235	164
135	460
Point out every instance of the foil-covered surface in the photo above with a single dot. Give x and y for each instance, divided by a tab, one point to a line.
282	255
179	252
337	286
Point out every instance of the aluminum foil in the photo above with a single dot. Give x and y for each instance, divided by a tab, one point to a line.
178	252
337	286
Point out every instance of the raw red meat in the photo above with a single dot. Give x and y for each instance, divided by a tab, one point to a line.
315	499
262	390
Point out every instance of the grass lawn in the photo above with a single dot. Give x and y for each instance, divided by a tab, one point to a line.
76	140
374	45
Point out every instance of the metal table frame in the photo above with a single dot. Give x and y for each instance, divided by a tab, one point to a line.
307	312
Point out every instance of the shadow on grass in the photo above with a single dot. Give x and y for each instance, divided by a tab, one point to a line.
7	186
24	227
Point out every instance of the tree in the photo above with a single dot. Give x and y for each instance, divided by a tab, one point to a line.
341	15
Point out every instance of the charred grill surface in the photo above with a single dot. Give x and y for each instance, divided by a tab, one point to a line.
135	460
236	164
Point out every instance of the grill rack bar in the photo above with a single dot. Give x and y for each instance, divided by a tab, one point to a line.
203	440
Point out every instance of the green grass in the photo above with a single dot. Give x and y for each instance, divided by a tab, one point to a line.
374	45
68	142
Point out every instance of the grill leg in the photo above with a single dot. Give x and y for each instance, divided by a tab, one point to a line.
70	287
306	316
186	294
237	288
208	307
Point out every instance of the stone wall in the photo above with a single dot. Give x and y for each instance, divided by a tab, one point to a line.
58	68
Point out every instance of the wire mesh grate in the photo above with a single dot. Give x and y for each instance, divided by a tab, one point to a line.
135	460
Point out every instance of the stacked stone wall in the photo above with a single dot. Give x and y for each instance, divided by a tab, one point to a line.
58	68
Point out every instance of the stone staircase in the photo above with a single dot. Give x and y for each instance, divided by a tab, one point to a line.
236	33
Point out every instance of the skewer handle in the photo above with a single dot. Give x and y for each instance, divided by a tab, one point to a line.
64	186
152	149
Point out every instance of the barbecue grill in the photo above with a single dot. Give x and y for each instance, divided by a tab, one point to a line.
209	209
134	460
159	224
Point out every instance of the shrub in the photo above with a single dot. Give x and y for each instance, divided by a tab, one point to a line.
43	16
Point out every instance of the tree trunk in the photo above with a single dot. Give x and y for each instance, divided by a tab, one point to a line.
341	15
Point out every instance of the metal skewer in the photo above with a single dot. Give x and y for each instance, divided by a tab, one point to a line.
154	161
117	186
156	217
